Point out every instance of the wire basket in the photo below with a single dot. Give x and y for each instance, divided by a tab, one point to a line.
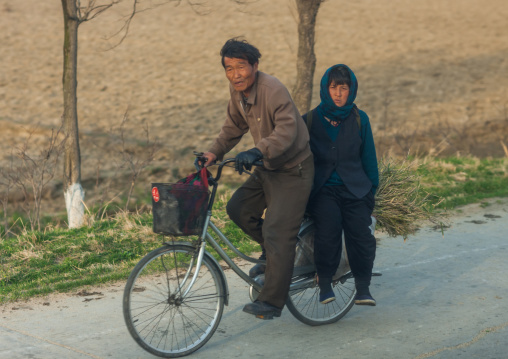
179	209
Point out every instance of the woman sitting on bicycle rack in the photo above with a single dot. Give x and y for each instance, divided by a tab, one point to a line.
346	178
262	104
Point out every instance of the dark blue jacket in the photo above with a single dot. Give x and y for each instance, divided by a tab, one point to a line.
352	155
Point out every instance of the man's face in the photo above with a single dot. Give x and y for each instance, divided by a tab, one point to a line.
339	93
240	74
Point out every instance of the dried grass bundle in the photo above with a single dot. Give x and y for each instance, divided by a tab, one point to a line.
401	203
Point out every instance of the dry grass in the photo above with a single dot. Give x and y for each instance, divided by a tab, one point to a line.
401	203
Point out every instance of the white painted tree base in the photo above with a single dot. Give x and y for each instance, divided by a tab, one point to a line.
74	201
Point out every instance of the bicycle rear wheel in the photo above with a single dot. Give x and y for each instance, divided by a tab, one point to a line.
163	316
303	302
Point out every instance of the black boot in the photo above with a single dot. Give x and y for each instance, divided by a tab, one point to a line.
259	268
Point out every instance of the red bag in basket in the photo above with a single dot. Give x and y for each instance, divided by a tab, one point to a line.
193	207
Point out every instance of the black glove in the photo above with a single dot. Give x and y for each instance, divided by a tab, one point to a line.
245	159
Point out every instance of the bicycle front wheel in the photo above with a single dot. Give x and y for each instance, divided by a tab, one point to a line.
163	315
303	302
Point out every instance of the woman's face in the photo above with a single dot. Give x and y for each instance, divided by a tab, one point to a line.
339	93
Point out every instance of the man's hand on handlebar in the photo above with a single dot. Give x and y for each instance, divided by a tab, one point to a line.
244	160
210	158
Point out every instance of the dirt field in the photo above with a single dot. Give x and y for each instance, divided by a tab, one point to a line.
433	74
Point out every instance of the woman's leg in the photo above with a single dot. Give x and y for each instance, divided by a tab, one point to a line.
360	242
325	212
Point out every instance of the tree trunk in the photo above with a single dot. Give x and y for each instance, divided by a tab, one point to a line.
73	192
306	58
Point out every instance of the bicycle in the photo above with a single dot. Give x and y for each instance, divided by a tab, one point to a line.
174	297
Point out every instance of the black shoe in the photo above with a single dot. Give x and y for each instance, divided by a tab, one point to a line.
259	268
262	310
365	299
363	296
326	294
326	297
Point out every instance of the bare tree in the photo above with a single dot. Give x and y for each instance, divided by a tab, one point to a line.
306	58
34	172
75	14
73	191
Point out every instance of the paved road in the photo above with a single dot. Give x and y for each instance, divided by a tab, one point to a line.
439	297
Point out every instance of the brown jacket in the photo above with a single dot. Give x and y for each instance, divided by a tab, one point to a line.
273	120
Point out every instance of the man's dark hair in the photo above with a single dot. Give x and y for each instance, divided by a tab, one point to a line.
240	49
339	75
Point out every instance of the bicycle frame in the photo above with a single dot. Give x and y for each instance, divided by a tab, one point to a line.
207	237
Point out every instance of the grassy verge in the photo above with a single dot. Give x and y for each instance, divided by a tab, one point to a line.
463	180
61	260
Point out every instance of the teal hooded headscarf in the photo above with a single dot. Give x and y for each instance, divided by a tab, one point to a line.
327	107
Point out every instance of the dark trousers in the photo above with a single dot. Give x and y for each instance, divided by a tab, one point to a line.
284	195
334	209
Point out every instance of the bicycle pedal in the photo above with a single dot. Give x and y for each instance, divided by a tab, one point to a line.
265	316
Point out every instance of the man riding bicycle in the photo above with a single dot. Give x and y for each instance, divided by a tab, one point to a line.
262	104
